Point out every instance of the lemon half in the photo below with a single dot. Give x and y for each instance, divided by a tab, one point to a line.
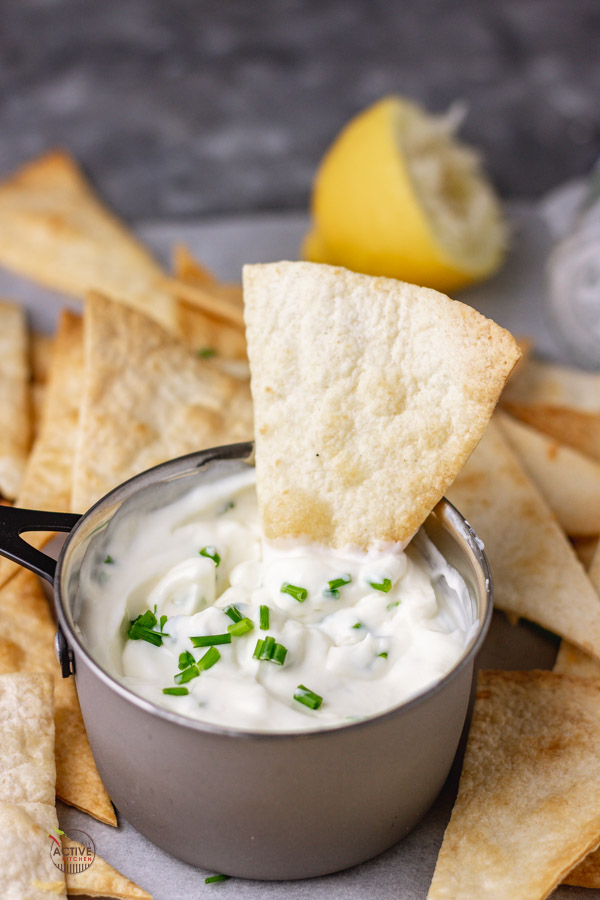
398	195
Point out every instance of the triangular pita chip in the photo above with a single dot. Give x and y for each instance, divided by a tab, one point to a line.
27	645
56	230
100	879
369	395
568	480
147	398
562	402
534	567
27	775
528	805
573	661
48	475
15	404
207	335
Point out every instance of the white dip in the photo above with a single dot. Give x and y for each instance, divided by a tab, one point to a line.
361	649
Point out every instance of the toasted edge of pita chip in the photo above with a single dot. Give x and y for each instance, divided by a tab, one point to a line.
369	396
147	398
101	880
56	231
569	481
570	660
535	570
48	475
528	804
27	633
207	299
575	428
539	383
15	400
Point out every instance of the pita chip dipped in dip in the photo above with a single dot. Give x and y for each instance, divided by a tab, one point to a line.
369	396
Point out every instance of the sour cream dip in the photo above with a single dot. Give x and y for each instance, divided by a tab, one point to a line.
189	606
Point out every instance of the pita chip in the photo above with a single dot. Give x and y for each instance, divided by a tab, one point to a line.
210	337
146	398
571	660
535	570
27	645
568	480
101	880
528	804
585	548
41	356
56	231
562	402
369	396
27	774
15	404
48	475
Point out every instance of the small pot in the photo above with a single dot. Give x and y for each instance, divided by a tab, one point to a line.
255	804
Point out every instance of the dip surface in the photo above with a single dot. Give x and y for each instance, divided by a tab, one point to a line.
362	632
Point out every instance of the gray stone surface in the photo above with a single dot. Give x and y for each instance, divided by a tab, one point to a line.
185	108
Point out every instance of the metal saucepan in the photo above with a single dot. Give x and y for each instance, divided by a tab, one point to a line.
250	804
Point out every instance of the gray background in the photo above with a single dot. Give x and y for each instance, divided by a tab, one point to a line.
182	108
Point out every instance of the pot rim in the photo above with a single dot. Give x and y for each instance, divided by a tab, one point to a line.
242	452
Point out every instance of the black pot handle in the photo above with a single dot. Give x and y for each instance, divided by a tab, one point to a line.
15	521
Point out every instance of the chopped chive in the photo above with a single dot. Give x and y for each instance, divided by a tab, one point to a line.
206	352
176	691
186	675
109	560
229	504
258	649
142	629
211	553
298	593
242	627
207	661
357	625
382	655
307	697
279	654
267	648
186	660
155	607
331	594
209	640
331	591
391	605
264	618
233	613
385	585
163	622
214	878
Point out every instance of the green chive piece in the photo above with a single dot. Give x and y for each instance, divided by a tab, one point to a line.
357	625
385	585
242	627
382	655
186	660
207	661
331	594
109	560
264	618
176	692
163	622
186	675
258	649
229	504
331	591
279	654
142	629
307	697
206	352
393	604
298	593
211	553
214	878
267	648
209	640
233	613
